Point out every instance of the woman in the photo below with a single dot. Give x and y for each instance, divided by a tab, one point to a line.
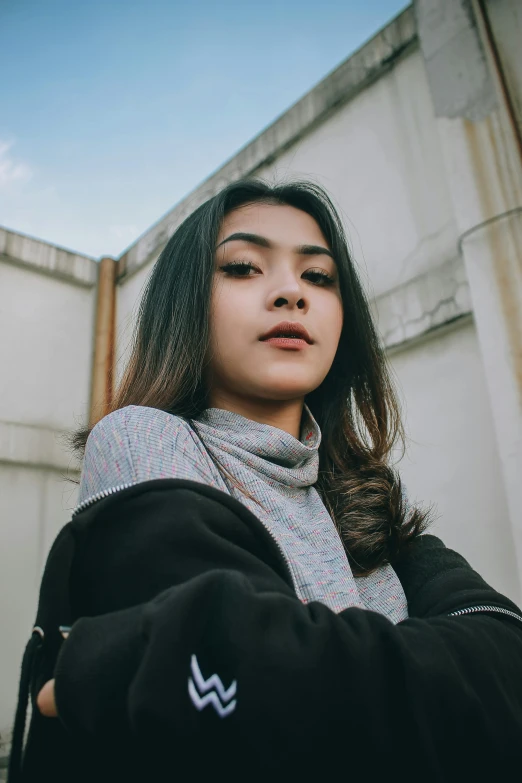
243	589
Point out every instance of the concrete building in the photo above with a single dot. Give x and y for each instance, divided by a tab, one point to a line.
417	137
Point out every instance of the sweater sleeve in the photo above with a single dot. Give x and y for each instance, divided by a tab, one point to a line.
136	444
230	661
108	460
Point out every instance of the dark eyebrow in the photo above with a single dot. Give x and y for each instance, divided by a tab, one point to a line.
313	250
255	239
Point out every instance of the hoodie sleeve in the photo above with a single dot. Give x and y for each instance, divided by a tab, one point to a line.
228	660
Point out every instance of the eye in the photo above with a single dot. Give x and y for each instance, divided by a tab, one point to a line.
239	268
319	277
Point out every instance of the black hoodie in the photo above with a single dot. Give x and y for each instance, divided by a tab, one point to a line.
191	658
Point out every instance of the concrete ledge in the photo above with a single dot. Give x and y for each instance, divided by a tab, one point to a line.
47	259
427	302
34	447
356	73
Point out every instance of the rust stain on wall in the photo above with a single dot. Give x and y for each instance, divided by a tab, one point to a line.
104	338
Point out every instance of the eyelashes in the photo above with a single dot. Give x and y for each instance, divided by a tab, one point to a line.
319	277
238	268
243	268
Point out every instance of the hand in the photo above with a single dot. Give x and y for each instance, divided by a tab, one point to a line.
45	700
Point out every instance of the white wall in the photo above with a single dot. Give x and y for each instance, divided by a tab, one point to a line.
46	334
128	297
46	348
452	458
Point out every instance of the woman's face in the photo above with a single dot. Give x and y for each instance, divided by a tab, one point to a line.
273	270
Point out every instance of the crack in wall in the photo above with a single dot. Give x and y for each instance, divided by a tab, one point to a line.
421	305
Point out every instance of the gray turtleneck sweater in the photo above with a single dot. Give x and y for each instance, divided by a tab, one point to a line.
137	443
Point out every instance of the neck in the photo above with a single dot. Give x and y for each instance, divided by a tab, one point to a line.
285	415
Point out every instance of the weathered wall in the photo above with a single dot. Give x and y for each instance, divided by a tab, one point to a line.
46	323
452	457
128	297
505	18
482	157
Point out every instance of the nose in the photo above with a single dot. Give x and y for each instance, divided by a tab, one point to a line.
288	295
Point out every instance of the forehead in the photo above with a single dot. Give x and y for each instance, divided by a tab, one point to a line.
281	224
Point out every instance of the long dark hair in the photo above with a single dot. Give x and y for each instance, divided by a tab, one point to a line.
355	406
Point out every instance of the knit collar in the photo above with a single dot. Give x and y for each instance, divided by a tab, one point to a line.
272	452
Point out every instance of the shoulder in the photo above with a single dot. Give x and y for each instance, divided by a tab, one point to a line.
138	434
133	423
133	444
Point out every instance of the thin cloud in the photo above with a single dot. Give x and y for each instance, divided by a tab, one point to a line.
12	170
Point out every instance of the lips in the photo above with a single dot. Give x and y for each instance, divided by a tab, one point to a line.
288	329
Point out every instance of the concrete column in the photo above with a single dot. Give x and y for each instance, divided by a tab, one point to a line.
484	169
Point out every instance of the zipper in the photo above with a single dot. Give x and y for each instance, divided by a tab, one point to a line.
283	558
473	609
105	493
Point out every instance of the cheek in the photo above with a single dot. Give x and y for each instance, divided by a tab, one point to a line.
229	318
333	321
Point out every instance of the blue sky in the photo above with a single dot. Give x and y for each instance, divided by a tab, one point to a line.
111	112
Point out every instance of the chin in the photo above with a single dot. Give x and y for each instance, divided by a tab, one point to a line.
286	391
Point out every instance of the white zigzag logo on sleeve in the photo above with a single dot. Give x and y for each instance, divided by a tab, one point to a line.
211	691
